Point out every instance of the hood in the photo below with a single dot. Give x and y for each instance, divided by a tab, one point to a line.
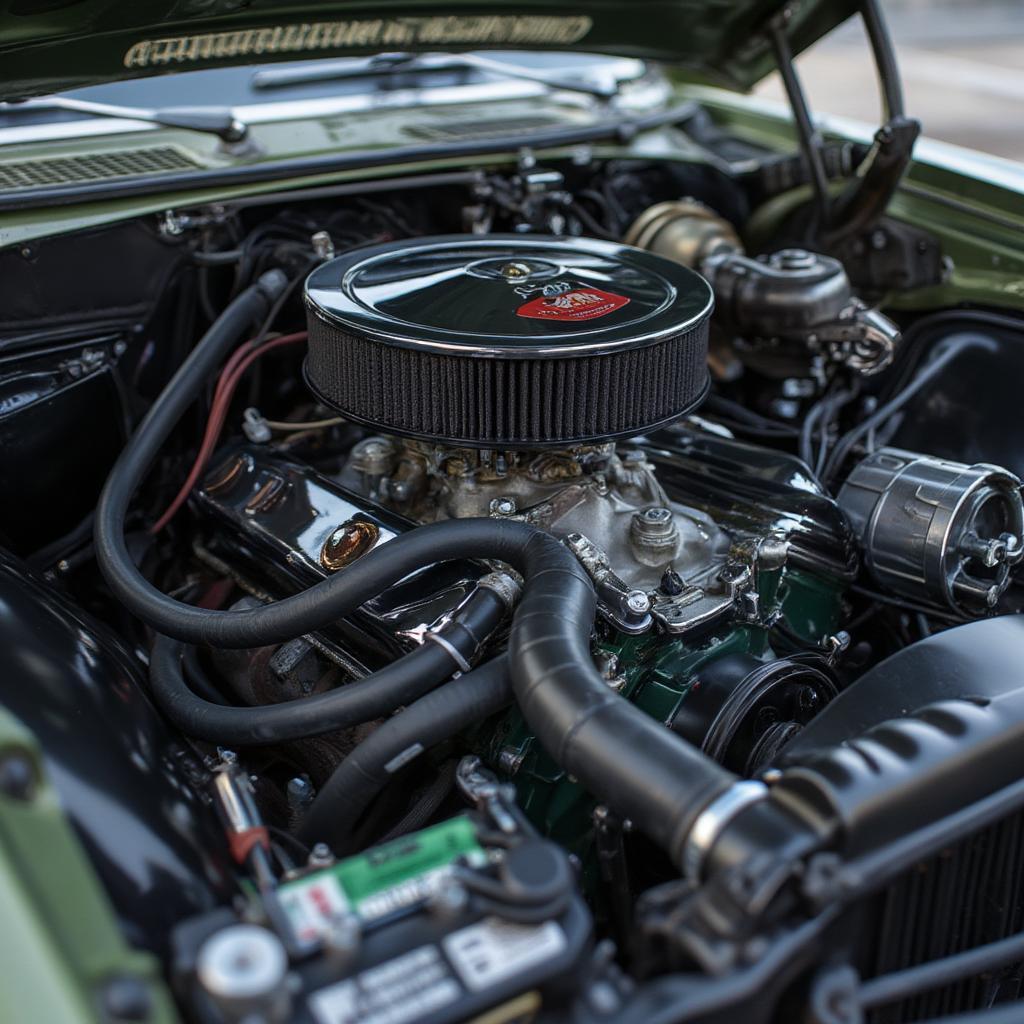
50	46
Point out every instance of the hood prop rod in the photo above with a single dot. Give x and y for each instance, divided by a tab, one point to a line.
809	136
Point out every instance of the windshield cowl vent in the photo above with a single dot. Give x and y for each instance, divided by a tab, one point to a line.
108	165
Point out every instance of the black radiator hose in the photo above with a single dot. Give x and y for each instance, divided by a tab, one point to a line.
623	757
402	682
433	719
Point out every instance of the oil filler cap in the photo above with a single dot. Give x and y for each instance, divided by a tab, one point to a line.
508	341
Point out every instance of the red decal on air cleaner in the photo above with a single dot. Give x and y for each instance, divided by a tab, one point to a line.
578	304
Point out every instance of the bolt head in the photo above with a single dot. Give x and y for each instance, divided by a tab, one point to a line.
515	271
322	244
299	788
127	999
638	602
17	776
808	698
320	855
657	514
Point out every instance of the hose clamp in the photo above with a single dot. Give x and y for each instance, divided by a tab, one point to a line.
505	585
712	821
449	648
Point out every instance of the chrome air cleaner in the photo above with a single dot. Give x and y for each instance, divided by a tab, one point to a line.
507	341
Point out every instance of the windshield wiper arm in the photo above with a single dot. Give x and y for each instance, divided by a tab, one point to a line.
219	121
388	63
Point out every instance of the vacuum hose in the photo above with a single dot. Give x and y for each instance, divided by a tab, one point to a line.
623	757
431	720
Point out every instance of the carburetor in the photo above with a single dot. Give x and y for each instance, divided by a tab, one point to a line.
500	371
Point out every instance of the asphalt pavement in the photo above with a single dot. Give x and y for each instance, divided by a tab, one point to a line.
962	66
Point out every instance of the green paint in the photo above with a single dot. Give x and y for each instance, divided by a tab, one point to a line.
63	942
658	672
92	41
972	203
385	130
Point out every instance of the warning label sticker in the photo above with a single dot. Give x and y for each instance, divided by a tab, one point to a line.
405	894
312	906
404	989
388	878
494	950
575	305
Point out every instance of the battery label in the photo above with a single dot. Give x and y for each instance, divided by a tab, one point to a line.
390	877
493	950
574	305
394	864
404	989
313	905
416	984
405	894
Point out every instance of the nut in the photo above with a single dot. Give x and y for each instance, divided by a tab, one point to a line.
515	271
654	534
17	775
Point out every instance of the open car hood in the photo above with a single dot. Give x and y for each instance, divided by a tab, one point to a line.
49	46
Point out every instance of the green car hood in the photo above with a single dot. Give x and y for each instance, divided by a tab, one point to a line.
48	46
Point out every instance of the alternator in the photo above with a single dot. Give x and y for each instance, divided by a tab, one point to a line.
938	531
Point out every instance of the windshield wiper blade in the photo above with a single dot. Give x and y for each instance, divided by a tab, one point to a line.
395	63
219	121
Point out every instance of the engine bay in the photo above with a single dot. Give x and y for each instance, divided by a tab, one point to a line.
521	600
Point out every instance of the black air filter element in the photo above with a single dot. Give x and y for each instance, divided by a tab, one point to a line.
507	341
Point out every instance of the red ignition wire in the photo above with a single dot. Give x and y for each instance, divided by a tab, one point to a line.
234	369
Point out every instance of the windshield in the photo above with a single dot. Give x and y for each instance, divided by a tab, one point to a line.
962	63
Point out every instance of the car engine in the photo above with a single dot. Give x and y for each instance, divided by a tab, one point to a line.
513	599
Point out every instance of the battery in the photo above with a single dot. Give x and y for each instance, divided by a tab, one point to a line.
434	927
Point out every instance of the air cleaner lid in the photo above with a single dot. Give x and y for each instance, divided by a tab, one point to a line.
513	296
509	341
